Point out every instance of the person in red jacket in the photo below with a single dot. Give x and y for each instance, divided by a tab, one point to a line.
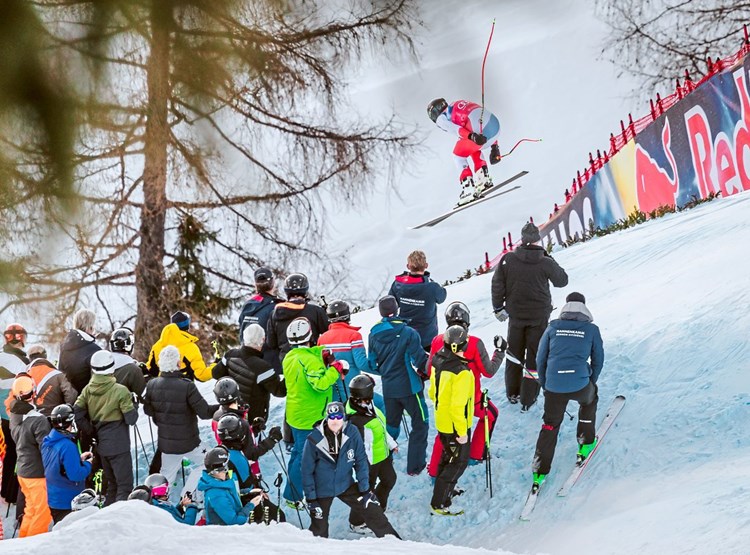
481	365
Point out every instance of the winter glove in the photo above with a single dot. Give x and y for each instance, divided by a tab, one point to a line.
501	314
258	425
328	357
500	343
341	366
477	138
368	498
275	434
316	511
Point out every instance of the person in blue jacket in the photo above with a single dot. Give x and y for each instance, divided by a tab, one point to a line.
185	512
569	360
65	467
221	500
418	297
395	352
333	451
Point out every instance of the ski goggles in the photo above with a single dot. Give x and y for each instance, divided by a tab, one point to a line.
160	491
336	416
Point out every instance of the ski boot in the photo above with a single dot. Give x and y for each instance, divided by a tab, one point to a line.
584	450
513	399
484	181
446	511
468	192
495	156
359	528
538	481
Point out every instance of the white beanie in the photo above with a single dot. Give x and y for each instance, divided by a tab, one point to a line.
254	336
169	359
102	362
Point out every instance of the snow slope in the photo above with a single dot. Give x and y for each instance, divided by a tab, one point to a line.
671	298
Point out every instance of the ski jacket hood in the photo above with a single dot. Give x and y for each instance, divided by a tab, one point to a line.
192	363
221	500
283	314
576	311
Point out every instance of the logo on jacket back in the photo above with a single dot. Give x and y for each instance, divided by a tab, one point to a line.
413	302
350	455
580	334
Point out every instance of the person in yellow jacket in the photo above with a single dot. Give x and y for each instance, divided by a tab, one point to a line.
452	391
191	360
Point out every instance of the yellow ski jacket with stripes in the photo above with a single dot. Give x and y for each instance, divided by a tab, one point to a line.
452	391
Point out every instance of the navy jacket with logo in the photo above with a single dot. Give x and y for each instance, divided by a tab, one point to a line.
418	297
567	346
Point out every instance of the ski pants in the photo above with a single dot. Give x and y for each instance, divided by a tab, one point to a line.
454	461
478	447
36	518
382	480
9	486
293	490
59	514
523	342
117	477
466	148
171	463
554	412
372	516
416	408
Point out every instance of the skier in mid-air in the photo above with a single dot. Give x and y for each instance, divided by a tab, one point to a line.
477	129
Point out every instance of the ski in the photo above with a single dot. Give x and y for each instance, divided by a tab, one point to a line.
528	507
614	409
489	194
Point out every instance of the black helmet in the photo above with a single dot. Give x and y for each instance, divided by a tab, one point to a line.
217	459
122	340
362	387
230	428
338	311
140	493
226	391
457	313
158	485
455	338
436	107
296	285
62	416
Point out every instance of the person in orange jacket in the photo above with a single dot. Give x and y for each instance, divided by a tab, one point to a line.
53	387
176	333
29	427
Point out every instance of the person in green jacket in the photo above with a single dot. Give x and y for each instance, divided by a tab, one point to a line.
309	373
106	408
379	445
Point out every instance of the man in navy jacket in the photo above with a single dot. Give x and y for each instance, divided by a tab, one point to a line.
396	354
569	360
418	297
332	451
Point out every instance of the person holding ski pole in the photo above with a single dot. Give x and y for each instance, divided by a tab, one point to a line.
570	358
477	129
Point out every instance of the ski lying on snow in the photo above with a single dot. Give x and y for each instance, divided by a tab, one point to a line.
530	503
614	409
490	193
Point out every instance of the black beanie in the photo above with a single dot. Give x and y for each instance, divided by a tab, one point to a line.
575	297
388	306
530	234
182	319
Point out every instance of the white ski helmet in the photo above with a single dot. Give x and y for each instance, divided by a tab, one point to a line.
299	331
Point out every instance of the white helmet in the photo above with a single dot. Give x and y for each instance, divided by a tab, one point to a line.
299	331
87	498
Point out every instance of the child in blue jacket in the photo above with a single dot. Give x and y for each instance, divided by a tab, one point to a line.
221	499
65	467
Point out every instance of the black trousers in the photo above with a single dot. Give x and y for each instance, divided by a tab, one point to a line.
59	514
372	516
452	465
523	342
9	486
554	412
118	474
382	480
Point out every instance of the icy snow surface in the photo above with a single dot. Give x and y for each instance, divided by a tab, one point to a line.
671	297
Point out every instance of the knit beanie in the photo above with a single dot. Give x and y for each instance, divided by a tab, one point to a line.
530	234
253	336
102	362
169	359
182	319
575	297
388	306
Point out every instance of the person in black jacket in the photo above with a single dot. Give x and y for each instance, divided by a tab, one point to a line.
296	287
258	309
255	376
77	348
418	296
175	404
520	291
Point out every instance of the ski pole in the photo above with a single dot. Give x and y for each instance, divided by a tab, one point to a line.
135	453
143	447
282	463
151	431
277	483
405	426
484	60
518	143
488	454
528	373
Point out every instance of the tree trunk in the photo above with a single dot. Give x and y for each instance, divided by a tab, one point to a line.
149	272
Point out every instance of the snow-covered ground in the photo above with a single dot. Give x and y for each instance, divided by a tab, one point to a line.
671	298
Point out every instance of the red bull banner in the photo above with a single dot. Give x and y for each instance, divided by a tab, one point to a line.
698	146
